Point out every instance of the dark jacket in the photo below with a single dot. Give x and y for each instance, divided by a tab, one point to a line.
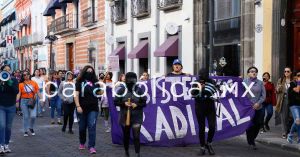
8	92
136	114
205	96
294	97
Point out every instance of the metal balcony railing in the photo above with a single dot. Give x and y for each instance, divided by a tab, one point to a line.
169	4
119	12
140	8
88	16
64	24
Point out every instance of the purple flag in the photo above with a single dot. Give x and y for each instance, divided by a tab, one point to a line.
170	120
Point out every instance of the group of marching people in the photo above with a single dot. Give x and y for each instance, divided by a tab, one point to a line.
90	100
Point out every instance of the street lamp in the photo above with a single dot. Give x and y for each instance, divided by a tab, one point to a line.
51	38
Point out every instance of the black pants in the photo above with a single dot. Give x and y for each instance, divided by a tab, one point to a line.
253	130
68	114
206	110
136	128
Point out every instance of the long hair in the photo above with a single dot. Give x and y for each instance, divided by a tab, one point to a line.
51	75
283	76
33	74
22	76
82	76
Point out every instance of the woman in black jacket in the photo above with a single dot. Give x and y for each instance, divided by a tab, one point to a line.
205	109
294	103
130	103
8	93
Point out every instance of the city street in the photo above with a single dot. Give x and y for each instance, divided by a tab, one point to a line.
50	141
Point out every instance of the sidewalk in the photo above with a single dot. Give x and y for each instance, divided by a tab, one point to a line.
273	138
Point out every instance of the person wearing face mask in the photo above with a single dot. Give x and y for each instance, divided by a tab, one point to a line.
205	109
67	101
131	111
258	89
268	103
8	92
86	100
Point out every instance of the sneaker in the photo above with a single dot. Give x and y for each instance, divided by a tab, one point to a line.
6	149
107	130
52	122
290	138
284	136
26	134
2	151
63	129
262	131
32	132
81	147
92	150
75	120
267	127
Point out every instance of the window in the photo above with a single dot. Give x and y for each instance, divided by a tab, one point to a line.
119	11
169	4
140	8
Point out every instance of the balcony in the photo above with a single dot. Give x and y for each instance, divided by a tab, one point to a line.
64	24
140	8
169	4
88	17
24	41
119	12
36	39
16	43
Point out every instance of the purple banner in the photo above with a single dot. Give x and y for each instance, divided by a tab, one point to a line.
171	120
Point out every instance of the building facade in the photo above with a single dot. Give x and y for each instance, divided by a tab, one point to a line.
23	42
286	35
79	27
9	19
149	35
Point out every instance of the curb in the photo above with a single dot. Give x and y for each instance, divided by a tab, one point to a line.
290	147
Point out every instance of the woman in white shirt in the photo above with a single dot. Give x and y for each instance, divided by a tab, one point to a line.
40	81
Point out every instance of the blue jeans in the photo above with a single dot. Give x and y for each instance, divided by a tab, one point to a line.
296	115
55	103
29	115
88	121
269	109
7	115
38	103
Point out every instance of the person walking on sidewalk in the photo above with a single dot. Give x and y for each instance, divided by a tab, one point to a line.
282	107
269	102
55	101
39	80
103	102
28	90
8	92
65	93
87	106
259	92
294	103
131	111
205	110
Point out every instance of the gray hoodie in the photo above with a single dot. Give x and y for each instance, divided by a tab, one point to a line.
68	92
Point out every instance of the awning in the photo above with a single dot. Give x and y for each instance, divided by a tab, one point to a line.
119	51
168	48
16	27
8	19
140	51
54	4
26	21
66	1
3	43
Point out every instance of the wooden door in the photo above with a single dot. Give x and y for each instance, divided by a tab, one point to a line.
296	53
70	57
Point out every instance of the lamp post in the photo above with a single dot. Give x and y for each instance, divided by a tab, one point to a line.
51	38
